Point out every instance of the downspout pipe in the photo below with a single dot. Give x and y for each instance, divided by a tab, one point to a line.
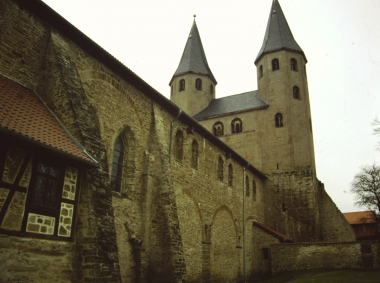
171	135
244	251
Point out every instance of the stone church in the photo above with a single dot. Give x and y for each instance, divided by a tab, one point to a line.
103	179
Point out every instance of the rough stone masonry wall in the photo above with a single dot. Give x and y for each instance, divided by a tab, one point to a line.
96	249
22	41
292	257
37	57
146	219
201	200
34	260
257	240
299	207
238	141
210	210
292	205
335	227
96	106
375	252
167	217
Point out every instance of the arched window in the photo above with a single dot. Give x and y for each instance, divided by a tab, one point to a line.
194	154
254	189
178	150
296	92
211	89
236	126
279	120
117	165
293	65
275	64
182	85
198	84
261	72
230	175
246	186
218	129
220	169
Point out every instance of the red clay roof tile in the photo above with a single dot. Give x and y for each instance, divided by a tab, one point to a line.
360	217
23	113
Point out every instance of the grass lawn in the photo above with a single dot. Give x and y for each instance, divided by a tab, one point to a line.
327	276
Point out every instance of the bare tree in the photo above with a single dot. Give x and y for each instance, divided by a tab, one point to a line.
366	187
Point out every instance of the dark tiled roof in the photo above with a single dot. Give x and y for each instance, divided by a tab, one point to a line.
22	113
194	58
360	217
234	103
273	232
278	34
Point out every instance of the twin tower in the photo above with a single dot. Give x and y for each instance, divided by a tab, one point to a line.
270	127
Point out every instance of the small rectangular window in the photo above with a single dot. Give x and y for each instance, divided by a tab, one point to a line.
265	253
366	249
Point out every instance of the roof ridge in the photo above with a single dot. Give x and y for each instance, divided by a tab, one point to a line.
235	94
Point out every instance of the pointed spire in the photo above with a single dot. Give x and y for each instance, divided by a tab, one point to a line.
194	58
278	35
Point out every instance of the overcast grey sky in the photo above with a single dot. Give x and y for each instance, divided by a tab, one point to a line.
341	40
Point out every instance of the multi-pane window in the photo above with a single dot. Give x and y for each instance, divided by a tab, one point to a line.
47	185
43	190
117	165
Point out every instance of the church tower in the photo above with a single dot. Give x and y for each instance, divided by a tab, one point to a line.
192	86
287	143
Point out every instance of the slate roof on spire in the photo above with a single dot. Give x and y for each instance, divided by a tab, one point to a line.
194	58
278	35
